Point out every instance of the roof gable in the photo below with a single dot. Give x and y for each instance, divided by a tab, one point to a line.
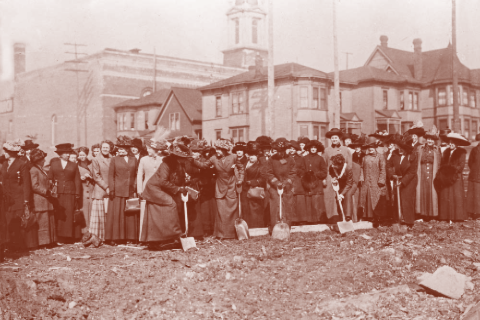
391	114
190	100
350	116
157	98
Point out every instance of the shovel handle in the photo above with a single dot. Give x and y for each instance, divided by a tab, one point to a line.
185	199
340	205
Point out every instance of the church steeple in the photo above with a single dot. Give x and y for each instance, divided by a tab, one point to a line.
246	34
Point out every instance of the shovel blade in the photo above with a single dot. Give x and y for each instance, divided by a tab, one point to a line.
281	231
345	227
188	243
242	229
399	228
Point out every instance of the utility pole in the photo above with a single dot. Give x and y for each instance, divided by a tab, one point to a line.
346	56
154	70
76	70
271	77
456	109
336	80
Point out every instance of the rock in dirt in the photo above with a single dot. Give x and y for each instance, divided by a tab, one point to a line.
472	312
72	305
9	268
467	253
468	241
446	282
364	236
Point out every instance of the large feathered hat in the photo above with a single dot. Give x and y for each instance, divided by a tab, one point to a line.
224	144
280	144
253	148
239	146
379	134
432	134
264	141
123	142
404	142
159	139
334	132
315	144
198	145
13	146
417	129
458	139
29	145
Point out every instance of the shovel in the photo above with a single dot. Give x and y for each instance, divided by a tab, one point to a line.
397	227
187	242
241	226
281	230
343	226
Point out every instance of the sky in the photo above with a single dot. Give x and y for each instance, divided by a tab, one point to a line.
195	29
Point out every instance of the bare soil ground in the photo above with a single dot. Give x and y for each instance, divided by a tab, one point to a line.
256	279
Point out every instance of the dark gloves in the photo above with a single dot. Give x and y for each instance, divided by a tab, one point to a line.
182	190
239	183
280	185
48	194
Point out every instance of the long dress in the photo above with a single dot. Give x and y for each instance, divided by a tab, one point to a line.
146	169
345	183
473	194
451	190
252	208
406	167
282	170
426	201
121	181
87	188
69	189
225	192
312	182
351	206
43	207
100	169
207	204
330	198
373	191
16	183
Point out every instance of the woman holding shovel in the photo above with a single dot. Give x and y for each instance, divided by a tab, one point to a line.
280	174
340	173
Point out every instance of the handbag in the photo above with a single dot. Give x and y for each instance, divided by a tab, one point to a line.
29	218
256	193
53	190
132	205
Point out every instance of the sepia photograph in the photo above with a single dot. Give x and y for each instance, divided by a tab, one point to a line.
240	159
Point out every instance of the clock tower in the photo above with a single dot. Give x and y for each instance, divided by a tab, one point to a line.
247	34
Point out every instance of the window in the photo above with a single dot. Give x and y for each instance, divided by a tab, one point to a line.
238	105
53	125
218	106
450	89
415	101
174	121
402	100
323	99
239	134
218	134
442	97
132	121
410	101
255	31
315	98
237	30
442	124
474	128
303	130
120	122
385	99
146	119
466	128
303	97
473	99
465	96
316	132
199	134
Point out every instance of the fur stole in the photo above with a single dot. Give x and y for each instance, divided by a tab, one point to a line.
447	174
310	181
452	158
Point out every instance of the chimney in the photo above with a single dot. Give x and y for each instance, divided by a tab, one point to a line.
384	41
19	58
417	59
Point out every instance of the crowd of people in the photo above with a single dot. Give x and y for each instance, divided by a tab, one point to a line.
383	178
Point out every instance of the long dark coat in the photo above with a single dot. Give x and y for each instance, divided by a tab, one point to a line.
407	169
206	205
345	181
473	194
449	185
316	172
253	209
373	178
43	206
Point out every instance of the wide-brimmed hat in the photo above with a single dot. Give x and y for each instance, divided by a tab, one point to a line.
417	129
334	132
379	134
443	134
137	143
158	145
404	143
239	146
198	145
180	150
294	144
303	140
432	134
253	149
12	146
224	144
315	144
37	155
64	148
458	139
264	141
359	142
123	142
29	145
281	144
370	142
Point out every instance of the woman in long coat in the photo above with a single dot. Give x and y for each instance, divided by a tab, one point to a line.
405	177
351	206
335	135
42	199
300	213
342	175
312	182
164	214
253	208
121	226
429	159
85	169
449	180
100	170
372	178
225	189
66	176
17	192
148	166
280	174
473	194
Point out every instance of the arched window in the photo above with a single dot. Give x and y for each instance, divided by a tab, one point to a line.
54	129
